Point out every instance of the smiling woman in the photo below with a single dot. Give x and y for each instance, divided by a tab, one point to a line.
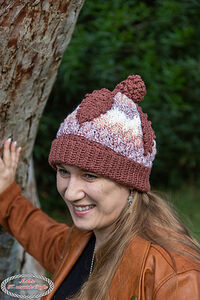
126	242
93	201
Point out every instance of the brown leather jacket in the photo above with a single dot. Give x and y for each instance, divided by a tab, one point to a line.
146	270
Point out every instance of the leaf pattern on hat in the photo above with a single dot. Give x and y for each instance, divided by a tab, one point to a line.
94	104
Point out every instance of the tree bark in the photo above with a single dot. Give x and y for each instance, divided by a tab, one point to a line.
33	38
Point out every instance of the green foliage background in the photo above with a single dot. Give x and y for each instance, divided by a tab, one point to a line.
158	40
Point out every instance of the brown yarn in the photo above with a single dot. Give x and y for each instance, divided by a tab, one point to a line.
94	104
77	150
148	133
133	87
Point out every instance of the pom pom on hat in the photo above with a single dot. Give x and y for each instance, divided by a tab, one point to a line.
133	87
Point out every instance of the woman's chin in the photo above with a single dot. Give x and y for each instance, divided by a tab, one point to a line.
81	226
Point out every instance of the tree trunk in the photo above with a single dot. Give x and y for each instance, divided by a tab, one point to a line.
33	38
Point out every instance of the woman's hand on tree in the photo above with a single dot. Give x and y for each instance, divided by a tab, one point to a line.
8	164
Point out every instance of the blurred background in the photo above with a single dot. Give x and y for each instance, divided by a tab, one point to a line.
158	40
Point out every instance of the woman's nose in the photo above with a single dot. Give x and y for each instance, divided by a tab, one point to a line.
74	190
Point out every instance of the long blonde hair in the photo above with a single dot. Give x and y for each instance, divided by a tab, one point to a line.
143	218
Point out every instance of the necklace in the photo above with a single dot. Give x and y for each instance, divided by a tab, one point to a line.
92	263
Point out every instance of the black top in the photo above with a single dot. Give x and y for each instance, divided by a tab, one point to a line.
78	274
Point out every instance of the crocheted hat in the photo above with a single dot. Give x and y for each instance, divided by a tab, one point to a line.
108	134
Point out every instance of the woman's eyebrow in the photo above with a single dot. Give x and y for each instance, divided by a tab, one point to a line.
60	165
83	170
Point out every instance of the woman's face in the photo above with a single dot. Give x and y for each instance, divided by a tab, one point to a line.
94	202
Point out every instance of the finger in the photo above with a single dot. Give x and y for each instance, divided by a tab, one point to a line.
1	158
1	152
19	151
17	155
1	164
13	152
6	152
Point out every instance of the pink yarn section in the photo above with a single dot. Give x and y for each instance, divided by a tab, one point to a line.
119	129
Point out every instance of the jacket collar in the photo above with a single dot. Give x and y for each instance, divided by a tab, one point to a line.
127	274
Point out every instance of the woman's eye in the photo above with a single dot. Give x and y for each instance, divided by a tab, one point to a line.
90	176
62	172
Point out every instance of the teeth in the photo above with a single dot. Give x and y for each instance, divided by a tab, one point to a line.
79	208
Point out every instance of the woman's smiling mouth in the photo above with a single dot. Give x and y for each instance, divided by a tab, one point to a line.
82	209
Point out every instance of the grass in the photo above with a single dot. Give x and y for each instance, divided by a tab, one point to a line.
187	203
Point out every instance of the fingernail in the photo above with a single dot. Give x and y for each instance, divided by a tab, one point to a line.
9	140
15	143
20	148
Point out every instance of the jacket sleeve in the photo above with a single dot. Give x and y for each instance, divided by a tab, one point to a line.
41	236
182	286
